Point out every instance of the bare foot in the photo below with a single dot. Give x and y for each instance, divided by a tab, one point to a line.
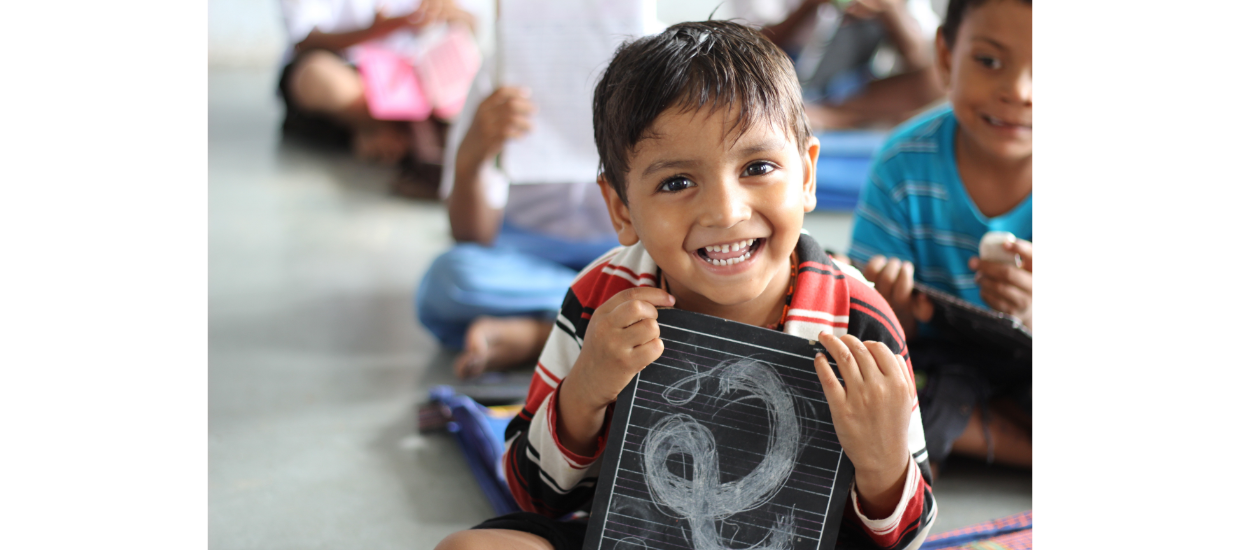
1010	444
495	344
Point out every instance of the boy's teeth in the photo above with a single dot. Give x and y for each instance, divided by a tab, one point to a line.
743	247
731	247
730	261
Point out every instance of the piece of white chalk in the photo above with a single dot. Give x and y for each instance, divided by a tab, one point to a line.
991	248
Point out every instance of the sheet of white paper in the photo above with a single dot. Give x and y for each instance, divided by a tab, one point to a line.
559	49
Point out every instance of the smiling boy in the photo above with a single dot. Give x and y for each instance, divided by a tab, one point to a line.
708	171
938	185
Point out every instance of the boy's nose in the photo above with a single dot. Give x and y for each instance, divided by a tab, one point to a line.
723	205
1020	89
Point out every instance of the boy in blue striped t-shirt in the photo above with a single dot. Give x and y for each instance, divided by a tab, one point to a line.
938	185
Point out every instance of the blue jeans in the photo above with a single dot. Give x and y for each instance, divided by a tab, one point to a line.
521	274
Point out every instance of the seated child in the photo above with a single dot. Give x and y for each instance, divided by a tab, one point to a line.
937	186
833	44
322	89
708	171
494	294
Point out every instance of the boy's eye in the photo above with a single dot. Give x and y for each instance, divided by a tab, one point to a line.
675	184
760	168
988	62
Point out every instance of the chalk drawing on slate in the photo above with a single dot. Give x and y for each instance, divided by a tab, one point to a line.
724	442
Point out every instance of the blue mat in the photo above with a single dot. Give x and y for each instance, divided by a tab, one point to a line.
480	432
844	166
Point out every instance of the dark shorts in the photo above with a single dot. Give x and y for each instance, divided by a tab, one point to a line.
563	535
306	126
958	380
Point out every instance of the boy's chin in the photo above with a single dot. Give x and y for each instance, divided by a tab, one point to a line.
728	295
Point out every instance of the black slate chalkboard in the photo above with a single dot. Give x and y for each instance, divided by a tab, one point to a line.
976	327
725	441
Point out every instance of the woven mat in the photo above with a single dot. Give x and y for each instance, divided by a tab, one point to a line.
1014	532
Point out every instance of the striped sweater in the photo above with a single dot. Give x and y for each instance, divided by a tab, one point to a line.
915	208
547	478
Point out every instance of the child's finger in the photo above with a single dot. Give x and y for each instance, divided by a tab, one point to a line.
844	360
892	365
831	386
647	353
498	97
861	354
521	124
881	355
521	106
904	284
1006	274
1025	250
1012	298
997	301
632	312
873	267
513	132
654	296
923	308
1019	278
641	333
909	377
885	279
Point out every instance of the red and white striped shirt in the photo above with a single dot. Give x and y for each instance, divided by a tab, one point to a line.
547	478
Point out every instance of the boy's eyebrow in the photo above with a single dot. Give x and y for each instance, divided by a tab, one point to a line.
665	164
992	42
771	144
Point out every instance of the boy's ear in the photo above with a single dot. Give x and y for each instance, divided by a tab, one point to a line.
810	185
621	220
943	59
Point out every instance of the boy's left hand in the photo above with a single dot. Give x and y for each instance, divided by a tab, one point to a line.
871	412
1007	288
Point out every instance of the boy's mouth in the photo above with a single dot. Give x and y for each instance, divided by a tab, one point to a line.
730	253
1003	124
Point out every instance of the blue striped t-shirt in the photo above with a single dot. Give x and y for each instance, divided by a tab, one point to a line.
915	208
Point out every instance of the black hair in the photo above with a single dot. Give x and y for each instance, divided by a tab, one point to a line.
956	10
690	65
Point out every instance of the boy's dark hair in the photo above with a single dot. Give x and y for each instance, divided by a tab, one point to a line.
690	65
955	16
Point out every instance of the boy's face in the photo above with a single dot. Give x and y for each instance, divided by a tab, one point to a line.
693	188
989	76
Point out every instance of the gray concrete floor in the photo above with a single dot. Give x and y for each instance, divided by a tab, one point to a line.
317	366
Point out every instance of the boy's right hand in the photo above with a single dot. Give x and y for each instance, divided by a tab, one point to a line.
893	279
504	115
621	340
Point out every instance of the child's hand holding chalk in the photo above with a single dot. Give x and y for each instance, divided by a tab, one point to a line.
1005	274
998	247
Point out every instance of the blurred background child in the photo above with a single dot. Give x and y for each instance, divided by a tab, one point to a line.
322	89
938	185
495	294
861	63
864	67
